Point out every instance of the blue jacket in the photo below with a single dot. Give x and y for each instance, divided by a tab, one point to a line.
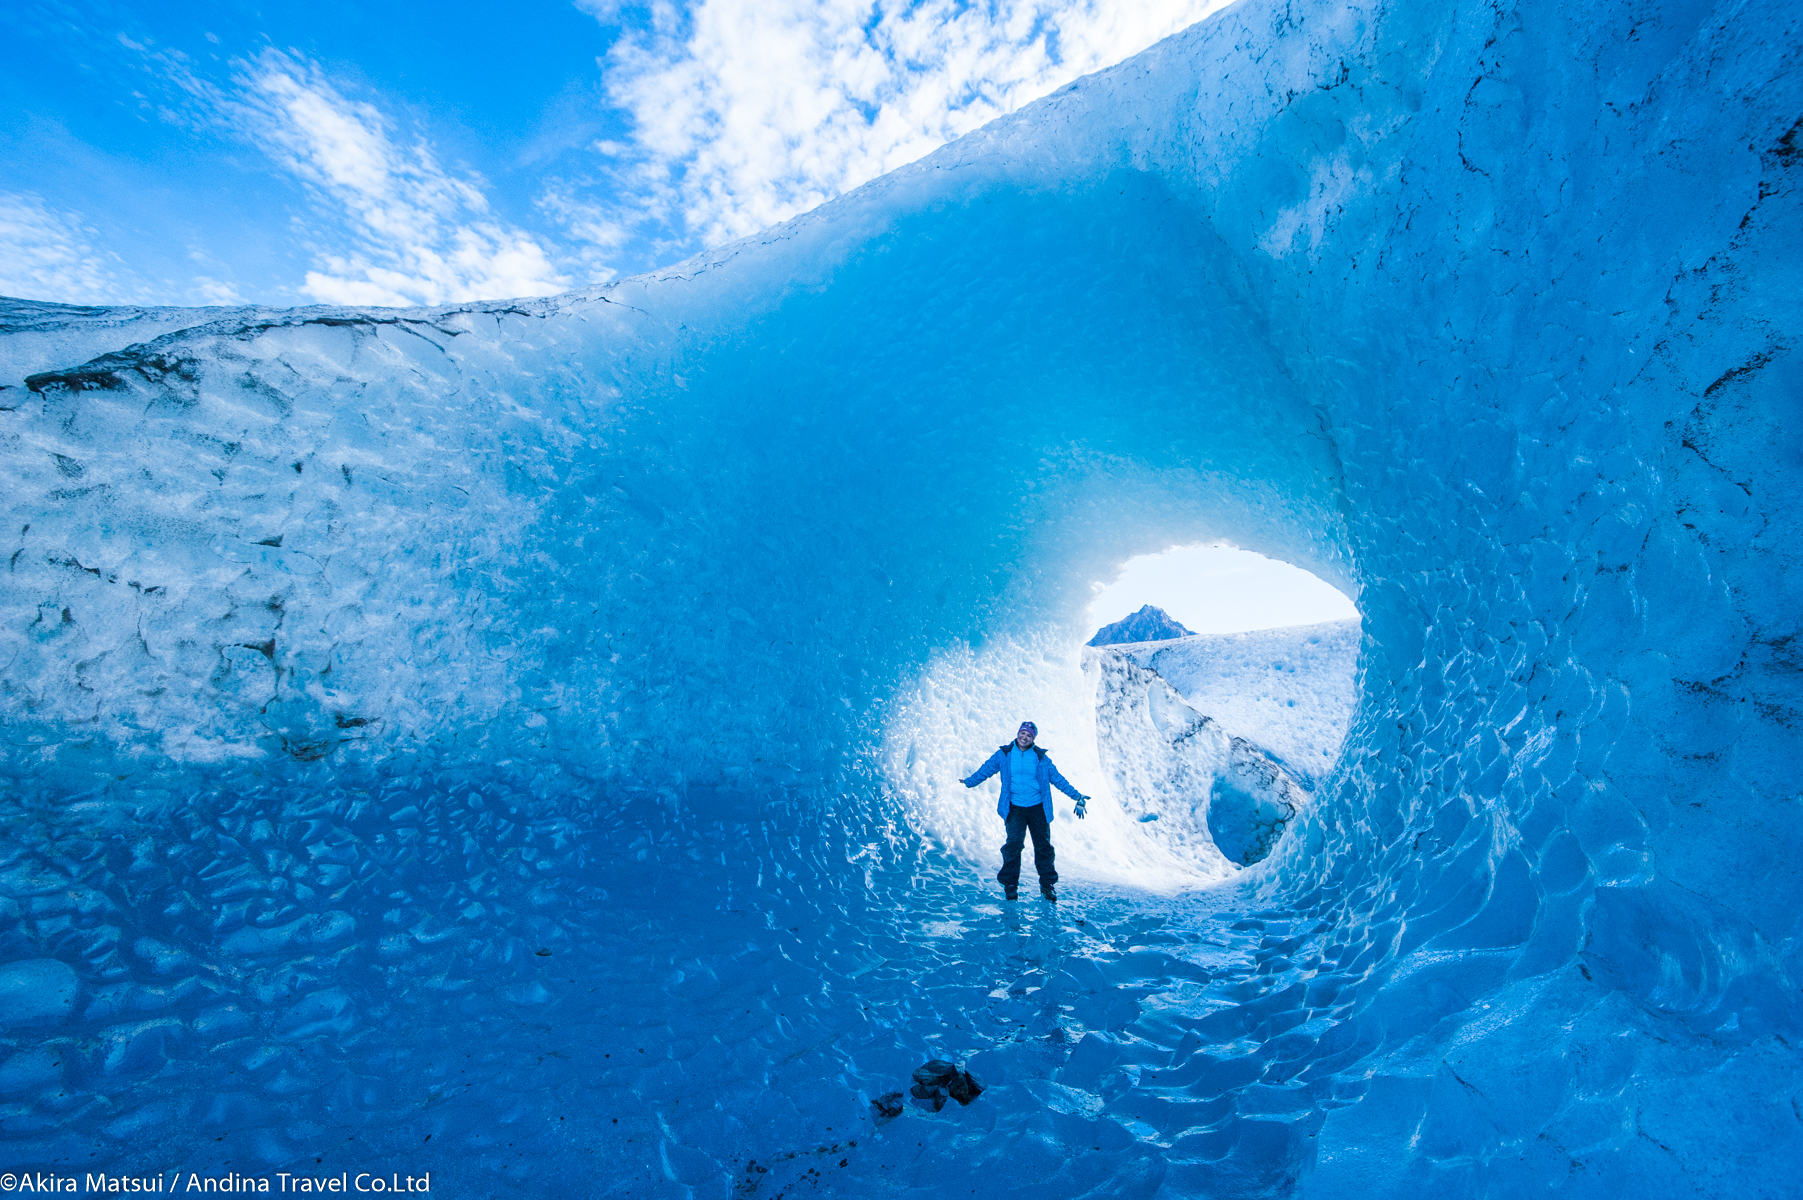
1046	775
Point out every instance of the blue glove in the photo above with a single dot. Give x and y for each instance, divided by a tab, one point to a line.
1082	802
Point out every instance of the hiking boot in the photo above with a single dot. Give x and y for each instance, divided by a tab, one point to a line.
1049	892
1010	892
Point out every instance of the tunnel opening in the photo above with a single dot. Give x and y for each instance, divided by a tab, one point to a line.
1224	698
1199	749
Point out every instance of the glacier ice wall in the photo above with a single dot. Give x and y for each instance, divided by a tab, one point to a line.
354	659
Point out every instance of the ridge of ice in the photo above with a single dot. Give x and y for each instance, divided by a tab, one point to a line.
1212	794
1291	690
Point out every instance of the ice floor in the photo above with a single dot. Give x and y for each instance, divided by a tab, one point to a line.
518	742
695	1011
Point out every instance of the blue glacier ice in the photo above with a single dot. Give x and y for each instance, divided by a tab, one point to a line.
518	741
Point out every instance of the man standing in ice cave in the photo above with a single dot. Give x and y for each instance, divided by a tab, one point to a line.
1026	804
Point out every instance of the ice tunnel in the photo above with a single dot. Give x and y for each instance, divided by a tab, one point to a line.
465	742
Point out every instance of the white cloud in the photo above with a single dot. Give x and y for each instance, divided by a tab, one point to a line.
742	113
420	234
214	291
750	111
46	254
591	225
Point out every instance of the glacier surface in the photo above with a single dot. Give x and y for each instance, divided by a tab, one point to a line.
517	741
1292	690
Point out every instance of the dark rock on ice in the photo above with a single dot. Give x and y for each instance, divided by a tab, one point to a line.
928	1097
964	1087
886	1107
937	1079
1147	625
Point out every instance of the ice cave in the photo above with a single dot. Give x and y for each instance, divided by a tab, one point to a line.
515	745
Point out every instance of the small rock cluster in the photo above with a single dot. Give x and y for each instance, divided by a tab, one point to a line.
934	1081
937	1079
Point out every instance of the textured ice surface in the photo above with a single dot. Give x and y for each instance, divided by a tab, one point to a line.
1289	690
352	659
1164	761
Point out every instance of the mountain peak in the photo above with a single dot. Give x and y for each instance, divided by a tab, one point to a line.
1147	625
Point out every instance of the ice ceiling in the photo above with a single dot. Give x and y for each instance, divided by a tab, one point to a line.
451	740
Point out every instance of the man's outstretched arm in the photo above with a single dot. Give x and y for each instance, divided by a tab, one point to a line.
1064	785
986	770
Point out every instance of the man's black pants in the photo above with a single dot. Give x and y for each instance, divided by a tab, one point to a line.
1020	821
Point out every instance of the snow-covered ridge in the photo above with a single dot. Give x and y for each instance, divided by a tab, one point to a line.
1290	691
1208	795
1218	739
37	337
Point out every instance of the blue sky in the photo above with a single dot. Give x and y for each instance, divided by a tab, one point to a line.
219	152
1219	589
